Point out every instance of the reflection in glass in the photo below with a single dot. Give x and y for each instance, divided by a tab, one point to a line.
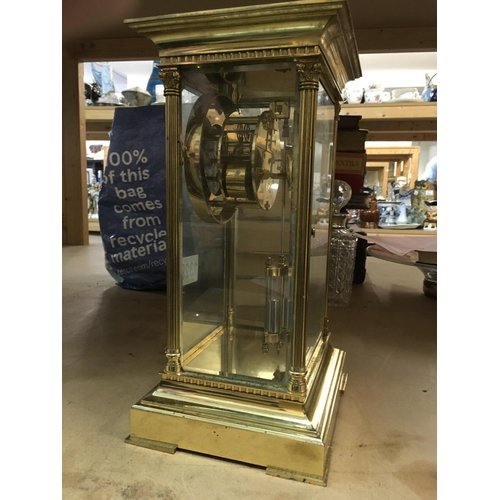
239	225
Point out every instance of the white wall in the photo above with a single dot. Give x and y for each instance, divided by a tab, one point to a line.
428	149
126	74
398	70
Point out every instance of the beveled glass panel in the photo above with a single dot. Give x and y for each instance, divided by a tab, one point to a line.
323	166
237	218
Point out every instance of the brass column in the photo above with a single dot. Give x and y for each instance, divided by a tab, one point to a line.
171	78
308	73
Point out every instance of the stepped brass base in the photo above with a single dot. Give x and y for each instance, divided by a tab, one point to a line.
290	439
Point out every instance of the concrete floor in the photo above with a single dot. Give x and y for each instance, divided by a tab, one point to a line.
384	445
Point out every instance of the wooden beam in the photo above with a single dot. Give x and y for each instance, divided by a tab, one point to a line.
94	225
391	110
388	153
115	49
99	114
387	40
402	136
399	126
369	41
99	120
97	136
98	131
384	121
393	121
74	179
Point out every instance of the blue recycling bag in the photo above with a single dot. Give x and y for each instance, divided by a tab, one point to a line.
132	213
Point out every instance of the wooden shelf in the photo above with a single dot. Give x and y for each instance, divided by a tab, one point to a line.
388	121
396	121
392	110
98	122
380	160
94	225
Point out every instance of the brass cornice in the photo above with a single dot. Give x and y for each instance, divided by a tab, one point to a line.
254	55
296	18
295	29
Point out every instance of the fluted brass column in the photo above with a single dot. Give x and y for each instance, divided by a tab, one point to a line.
171	78
308	73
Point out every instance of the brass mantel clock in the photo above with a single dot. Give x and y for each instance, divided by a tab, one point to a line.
250	372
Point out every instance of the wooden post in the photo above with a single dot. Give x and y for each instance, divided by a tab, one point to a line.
75	226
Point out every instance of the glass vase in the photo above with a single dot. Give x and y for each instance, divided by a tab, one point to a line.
342	249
